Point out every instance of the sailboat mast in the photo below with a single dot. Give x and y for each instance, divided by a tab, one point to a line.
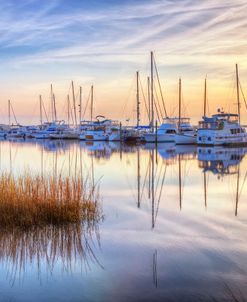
9	111
55	109
52	106
74	106
80	101
205	98
68	109
238	99
179	106
91	108
149	105
137	101
40	109
152	92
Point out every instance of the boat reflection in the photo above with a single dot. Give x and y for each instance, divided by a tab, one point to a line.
220	160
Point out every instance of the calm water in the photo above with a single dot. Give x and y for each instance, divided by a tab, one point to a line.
174	227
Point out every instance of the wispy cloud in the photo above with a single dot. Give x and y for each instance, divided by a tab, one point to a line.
64	38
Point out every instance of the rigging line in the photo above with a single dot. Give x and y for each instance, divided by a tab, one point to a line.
144	98
158	181
144	182
83	115
157	97
185	174
157	111
43	106
71	114
161	94
13	113
242	92
161	190
124	106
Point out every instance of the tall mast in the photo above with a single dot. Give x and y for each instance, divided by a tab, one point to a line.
52	105
80	105
149	105
91	107
55	109
40	109
152	92
137	101
179	106
9	111
238	99
74	105
68	108
205	98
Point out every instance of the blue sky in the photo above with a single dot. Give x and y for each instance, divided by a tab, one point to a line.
105	42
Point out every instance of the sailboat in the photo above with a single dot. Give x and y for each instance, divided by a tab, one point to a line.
185	134
167	131
15	130
94	130
222	128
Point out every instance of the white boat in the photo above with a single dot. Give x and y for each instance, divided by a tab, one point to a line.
165	133
16	132
66	133
98	130
221	129
3	131
115	133
186	133
84	125
95	135
49	128
30	131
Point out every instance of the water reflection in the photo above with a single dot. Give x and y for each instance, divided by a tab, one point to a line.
44	248
219	160
169	232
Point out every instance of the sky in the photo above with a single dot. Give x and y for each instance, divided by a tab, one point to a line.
104	43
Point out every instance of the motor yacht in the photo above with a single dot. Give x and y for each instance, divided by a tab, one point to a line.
221	129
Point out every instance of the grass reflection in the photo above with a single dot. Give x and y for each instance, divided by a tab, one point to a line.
47	220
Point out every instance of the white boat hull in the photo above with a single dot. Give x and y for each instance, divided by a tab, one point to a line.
185	139
159	138
220	140
41	136
94	136
64	136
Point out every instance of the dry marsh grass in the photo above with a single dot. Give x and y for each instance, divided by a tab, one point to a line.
28	200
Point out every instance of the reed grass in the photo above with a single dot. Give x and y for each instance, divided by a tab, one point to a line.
29	200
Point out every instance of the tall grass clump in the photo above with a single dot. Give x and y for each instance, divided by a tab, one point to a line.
29	200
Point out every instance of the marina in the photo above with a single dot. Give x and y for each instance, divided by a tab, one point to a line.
221	129
123	151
